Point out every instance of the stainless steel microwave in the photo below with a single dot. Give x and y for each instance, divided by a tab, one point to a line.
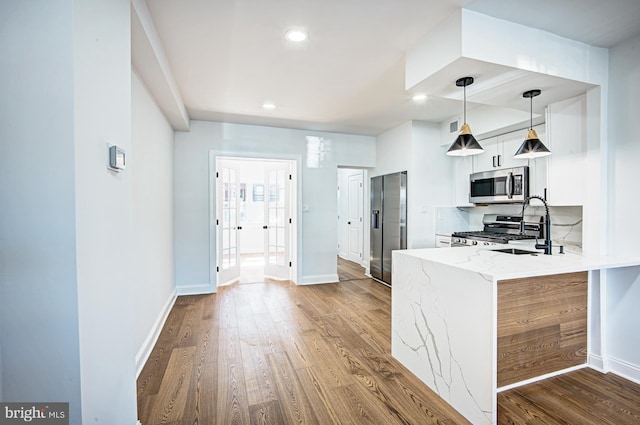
508	185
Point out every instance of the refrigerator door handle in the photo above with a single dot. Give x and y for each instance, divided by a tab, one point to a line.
374	219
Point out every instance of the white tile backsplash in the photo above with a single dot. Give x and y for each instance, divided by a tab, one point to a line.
566	222
450	219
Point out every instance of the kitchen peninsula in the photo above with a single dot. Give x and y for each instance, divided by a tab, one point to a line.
471	321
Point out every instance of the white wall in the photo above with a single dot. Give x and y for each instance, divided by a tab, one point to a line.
624	107
151	169
67	220
623	286
393	151
38	286
429	186
318	155
415	146
104	212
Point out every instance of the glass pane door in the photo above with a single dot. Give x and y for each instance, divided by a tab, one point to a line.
277	214
228	211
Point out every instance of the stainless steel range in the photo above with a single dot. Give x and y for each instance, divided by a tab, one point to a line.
500	229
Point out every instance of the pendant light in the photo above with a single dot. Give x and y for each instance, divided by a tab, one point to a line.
532	147
465	144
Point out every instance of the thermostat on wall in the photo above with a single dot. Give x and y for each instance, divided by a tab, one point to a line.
116	158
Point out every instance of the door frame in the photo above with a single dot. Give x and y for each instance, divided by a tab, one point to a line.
343	208
296	200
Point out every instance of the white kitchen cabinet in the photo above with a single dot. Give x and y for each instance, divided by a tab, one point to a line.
538	173
499	151
567	141
511	142
443	241
488	160
537	167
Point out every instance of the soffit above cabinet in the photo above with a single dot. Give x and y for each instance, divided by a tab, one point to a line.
500	86
531	58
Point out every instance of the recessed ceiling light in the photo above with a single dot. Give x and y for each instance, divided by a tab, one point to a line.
269	105
419	97
296	35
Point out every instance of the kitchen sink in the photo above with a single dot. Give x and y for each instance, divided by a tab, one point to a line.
515	251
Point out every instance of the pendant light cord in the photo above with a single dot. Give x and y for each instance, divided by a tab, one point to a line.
531	112
465	104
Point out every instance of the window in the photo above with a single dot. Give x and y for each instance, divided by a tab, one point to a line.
258	193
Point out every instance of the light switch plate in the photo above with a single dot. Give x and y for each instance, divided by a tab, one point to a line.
117	158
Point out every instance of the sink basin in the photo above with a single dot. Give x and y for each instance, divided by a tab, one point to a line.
515	251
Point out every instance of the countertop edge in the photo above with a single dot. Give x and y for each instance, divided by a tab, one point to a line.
496	265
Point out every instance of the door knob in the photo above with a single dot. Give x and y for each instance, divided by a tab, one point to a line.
348	222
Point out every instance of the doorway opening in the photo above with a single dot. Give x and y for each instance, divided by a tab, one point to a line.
255	237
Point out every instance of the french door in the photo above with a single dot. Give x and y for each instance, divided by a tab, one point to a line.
275	197
228	221
277	214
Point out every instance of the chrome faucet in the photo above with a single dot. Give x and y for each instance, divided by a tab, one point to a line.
547	225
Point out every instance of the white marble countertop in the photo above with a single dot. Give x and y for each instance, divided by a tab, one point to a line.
496	265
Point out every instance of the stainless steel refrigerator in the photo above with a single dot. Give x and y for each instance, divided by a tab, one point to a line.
388	222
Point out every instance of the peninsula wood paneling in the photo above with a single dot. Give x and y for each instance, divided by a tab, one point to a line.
542	325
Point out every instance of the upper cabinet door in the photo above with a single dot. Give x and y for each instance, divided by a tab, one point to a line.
538	166
499	151
567	138
510	144
488	160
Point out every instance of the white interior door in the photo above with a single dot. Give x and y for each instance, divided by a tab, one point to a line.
277	235
228	223
354	217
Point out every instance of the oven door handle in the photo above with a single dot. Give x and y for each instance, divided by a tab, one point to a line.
510	185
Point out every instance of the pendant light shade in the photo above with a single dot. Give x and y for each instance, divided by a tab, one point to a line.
465	144
532	147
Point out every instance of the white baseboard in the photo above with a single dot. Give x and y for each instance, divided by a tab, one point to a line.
195	289
319	278
541	377
145	351
619	367
624	369
596	362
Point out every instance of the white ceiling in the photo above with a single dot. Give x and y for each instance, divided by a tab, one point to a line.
229	56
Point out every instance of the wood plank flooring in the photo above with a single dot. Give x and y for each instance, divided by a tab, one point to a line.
277	353
581	397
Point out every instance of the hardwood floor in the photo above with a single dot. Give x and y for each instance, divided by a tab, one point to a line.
581	397
277	353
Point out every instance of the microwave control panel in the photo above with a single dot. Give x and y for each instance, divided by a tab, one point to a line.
517	184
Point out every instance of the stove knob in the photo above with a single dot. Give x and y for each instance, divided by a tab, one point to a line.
474	243
487	243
